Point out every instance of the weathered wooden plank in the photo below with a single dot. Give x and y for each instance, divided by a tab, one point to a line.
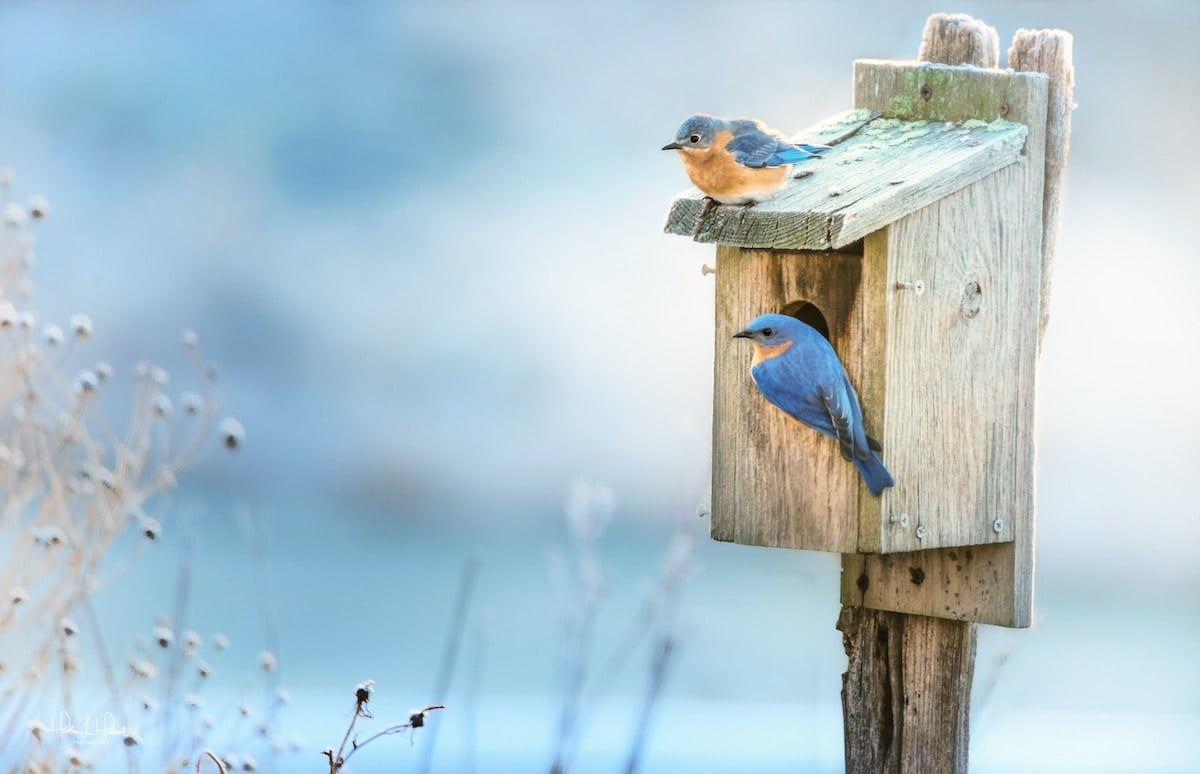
1050	52
906	692
967	583
954	419
884	169
915	91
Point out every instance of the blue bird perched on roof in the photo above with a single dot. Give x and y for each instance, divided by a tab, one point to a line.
737	160
796	369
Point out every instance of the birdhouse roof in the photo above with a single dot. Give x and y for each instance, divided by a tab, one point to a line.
877	171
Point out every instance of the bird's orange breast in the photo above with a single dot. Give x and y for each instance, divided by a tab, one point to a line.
762	353
715	172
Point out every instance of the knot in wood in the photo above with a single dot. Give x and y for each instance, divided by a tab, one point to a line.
972	300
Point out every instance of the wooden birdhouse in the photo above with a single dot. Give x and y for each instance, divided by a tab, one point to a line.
915	246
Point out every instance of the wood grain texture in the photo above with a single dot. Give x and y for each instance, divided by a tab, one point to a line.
981	584
906	692
958	39
960	359
775	481
1050	52
880	170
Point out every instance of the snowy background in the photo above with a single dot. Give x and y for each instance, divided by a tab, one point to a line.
422	242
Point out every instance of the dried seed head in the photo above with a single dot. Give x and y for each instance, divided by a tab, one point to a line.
15	214
192	402
191	642
130	741
204	669
151	530
190	339
233	435
163	636
49	536
267	661
220	642
193	701
68	627
18	595
53	335
86	383
80	325
144	669
39	207
162	407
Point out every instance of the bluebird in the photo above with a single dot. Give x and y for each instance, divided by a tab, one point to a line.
796	369
737	160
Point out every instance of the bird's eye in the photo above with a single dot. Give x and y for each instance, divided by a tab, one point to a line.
695	138
767	333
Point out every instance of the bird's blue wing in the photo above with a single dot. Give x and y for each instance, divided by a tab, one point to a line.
752	147
791	383
837	406
809	383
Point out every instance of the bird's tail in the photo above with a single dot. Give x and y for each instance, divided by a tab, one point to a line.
813	149
873	473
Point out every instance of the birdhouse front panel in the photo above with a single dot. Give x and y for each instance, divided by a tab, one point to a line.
777	482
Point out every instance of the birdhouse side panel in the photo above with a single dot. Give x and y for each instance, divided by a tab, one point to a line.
777	482
961	350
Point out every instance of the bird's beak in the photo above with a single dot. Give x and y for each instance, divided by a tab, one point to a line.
743	335
672	146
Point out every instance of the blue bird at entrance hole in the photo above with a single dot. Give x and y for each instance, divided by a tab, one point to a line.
796	369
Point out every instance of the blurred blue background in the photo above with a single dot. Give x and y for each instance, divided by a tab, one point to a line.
423	244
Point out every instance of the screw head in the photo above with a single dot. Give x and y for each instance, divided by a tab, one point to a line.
920	532
998	525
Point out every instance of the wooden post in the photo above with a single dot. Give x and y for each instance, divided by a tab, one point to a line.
907	688
1050	52
906	693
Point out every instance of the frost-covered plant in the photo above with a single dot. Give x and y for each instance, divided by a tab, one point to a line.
71	489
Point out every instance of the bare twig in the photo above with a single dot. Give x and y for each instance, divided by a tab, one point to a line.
216	761
362	695
454	639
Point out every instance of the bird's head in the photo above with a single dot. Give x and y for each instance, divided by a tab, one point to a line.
770	330
696	133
